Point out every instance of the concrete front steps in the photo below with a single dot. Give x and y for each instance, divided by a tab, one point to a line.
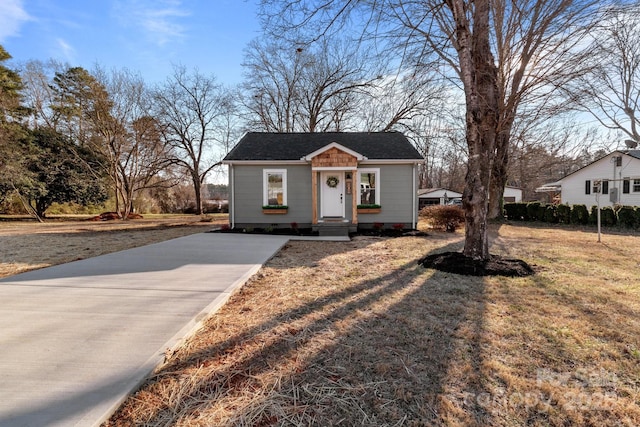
334	228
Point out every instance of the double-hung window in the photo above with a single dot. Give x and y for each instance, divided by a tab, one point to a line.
274	187
369	184
636	185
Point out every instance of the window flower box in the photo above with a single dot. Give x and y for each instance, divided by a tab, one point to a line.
369	209
275	210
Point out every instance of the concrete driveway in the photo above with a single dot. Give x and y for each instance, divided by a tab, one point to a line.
77	338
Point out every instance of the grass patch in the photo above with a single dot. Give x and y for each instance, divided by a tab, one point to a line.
356	333
28	245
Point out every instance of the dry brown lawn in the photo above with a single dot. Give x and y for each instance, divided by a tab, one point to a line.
28	245
356	333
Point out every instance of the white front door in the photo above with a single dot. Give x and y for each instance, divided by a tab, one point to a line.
332	194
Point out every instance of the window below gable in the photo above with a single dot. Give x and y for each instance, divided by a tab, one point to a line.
274	185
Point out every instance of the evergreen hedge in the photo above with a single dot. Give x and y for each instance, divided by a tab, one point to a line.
564	213
625	216
533	211
579	214
516	211
550	213
607	216
629	216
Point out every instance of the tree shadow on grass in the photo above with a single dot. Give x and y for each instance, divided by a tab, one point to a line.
401	349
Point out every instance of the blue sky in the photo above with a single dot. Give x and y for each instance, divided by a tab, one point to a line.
147	36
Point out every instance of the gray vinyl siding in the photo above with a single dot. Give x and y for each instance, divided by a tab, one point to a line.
247	196
396	195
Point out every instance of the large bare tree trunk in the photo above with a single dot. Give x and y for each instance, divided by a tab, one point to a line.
480	76
197	187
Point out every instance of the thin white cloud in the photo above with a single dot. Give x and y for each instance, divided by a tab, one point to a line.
65	49
12	16
158	19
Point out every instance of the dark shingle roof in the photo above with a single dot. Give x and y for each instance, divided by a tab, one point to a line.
633	153
294	146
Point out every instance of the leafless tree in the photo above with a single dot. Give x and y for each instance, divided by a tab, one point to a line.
273	74
313	87
189	107
439	135
611	90
400	102
547	150
500	51
39	93
138	157
537	45
336	73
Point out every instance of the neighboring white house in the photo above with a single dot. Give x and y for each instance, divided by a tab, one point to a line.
512	195
619	174
436	196
442	196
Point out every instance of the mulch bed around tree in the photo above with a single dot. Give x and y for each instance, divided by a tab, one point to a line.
456	262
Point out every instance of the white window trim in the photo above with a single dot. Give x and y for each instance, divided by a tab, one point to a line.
378	182
633	184
265	185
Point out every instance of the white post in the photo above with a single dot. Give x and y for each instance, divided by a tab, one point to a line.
598	203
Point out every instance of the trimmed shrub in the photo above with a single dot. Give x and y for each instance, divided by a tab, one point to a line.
542	210
579	214
533	211
444	217
608	216
593	215
516	211
628	216
508	210
550	214
563	213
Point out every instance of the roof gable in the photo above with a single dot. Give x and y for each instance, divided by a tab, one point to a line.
331	146
263	146
438	192
632	153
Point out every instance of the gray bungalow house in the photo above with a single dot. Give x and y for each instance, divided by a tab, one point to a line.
331	182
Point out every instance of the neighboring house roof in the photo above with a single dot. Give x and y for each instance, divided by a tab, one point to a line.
425	192
633	153
256	146
557	185
550	187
